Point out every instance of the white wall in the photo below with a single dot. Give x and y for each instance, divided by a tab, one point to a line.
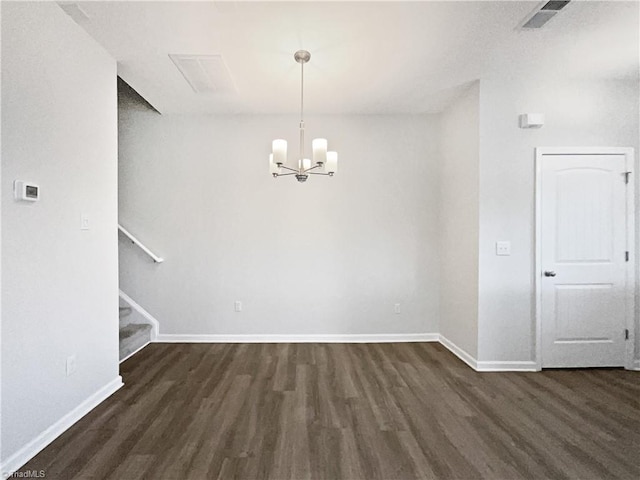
331	256
459	228
59	284
578	113
583	74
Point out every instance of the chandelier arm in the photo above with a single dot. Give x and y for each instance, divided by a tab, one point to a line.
290	169
315	166
285	174
320	173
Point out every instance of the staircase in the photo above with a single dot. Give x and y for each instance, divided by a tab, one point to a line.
135	333
137	327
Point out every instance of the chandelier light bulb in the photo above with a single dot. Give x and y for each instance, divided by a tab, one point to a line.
304	164
331	166
274	169
319	146
279	152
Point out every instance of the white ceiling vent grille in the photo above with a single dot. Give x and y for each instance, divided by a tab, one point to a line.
205	73
541	15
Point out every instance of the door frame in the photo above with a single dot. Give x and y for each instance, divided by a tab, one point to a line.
630	236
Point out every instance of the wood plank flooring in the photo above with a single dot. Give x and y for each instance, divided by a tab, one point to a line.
349	411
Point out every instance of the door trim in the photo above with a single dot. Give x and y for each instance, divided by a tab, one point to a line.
630	224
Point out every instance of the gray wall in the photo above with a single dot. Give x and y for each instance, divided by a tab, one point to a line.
459	232
59	284
578	113
331	256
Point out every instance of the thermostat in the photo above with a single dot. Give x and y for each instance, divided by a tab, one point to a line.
26	191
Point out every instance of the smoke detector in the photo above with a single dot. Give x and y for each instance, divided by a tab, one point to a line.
542	14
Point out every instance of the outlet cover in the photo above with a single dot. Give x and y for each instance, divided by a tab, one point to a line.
503	248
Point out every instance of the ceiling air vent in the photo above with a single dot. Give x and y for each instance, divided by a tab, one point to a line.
555	5
542	15
205	73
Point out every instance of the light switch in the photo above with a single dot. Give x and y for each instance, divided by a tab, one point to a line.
238	306
71	365
84	222
503	248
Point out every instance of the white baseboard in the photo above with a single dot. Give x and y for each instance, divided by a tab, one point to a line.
459	352
483	366
506	366
31	449
636	365
515	366
347	338
155	325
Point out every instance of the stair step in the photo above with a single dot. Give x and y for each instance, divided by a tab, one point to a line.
132	337
132	329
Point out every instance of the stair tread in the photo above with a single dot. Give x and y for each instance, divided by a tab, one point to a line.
132	337
131	329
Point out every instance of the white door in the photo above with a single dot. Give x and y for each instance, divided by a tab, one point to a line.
583	259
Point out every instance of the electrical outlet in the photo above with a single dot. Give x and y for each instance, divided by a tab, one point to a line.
238	306
396	308
503	248
71	365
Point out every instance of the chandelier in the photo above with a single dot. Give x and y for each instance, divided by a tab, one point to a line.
325	162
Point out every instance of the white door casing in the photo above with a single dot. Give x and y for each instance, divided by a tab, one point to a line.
584	229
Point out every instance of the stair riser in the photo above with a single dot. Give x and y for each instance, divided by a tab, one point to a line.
133	343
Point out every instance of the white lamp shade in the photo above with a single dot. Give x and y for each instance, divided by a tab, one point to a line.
279	151
305	163
273	168
332	162
319	146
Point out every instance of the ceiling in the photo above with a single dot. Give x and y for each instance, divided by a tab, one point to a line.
366	57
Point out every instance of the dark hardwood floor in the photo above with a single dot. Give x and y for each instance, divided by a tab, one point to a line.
354	411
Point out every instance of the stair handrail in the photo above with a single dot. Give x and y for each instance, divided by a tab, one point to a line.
137	242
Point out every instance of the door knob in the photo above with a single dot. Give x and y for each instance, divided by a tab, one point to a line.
549	273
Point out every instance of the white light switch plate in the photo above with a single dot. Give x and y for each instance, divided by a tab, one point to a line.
71	365
84	222
503	248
